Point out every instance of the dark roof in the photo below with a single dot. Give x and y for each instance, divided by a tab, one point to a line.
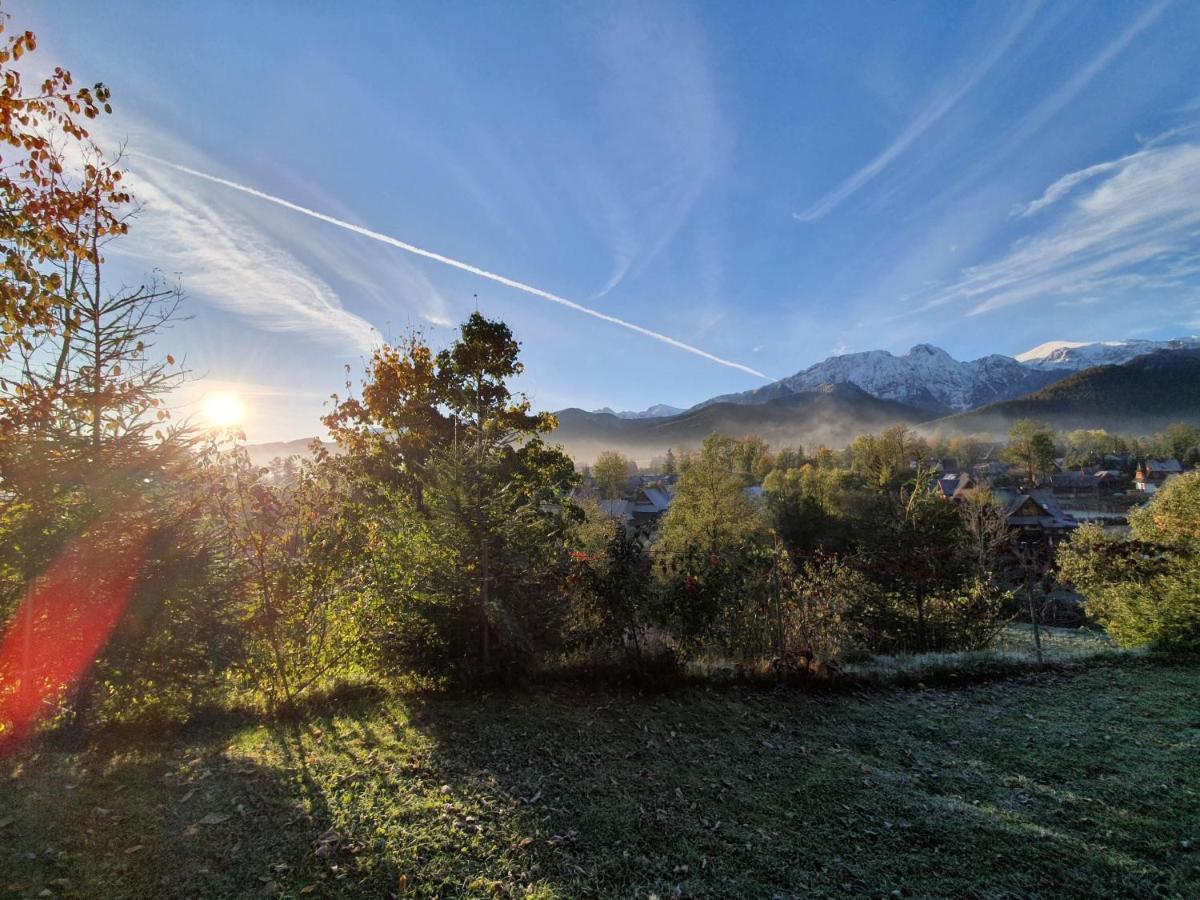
1073	480
650	501
1167	466
949	485
1035	511
616	509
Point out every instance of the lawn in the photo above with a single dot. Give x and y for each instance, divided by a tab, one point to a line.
1076	783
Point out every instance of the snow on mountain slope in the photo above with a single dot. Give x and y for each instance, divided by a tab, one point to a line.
1074	356
930	379
926	377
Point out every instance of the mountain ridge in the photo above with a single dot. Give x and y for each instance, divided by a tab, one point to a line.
930	379
1142	395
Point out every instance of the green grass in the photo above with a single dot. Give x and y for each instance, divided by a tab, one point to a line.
1081	783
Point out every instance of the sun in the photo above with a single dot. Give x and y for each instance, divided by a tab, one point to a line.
223	410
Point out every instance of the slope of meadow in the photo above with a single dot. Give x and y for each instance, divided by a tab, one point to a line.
1076	783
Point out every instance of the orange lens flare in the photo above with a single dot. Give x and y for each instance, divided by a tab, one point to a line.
64	622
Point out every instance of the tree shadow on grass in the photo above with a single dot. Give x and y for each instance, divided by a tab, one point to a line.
698	793
727	794
183	819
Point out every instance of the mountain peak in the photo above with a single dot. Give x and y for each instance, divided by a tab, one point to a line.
1041	351
929	350
1071	356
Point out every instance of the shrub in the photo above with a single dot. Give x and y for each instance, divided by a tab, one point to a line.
1143	593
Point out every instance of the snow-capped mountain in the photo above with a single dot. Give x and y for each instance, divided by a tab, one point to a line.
1074	356
658	411
926	377
931	380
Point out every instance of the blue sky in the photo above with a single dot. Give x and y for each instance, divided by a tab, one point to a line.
771	183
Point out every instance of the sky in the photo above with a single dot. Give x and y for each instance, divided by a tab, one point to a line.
664	201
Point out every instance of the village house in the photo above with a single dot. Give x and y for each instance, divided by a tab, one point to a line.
1035	516
644	506
1152	473
1075	483
953	485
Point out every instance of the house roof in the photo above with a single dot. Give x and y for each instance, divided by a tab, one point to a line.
616	509
1170	466
950	485
1073	480
1040	511
651	499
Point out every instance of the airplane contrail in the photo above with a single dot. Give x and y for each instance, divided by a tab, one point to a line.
457	264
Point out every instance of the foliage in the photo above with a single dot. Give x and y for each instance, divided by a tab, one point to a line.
709	547
932	590
60	195
288	561
611	474
812	508
887	459
472	503
711	511
812	604
1089	446
613	594
1146	590
1179	441
1031	447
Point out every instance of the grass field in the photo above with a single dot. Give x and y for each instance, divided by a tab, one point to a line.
1078	783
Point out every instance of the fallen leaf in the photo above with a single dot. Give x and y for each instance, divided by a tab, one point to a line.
129	851
213	819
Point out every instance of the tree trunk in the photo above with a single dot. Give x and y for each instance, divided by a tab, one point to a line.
484	624
1033	617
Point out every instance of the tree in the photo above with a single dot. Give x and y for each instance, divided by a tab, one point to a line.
670	467
613	590
928	594
611	475
1180	441
45	203
1088	447
885	460
811	604
1031	446
711	510
789	458
1146	590
708	544
809	506
441	439
289	559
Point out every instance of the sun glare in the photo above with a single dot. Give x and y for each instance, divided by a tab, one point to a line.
223	410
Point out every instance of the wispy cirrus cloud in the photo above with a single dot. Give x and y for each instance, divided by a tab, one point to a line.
1069	182
458	264
226	259
941	104
1051	105
1136	228
667	138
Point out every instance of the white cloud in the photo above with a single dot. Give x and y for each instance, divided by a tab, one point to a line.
1138	228
1068	182
945	101
666	139
1033	121
225	259
457	264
